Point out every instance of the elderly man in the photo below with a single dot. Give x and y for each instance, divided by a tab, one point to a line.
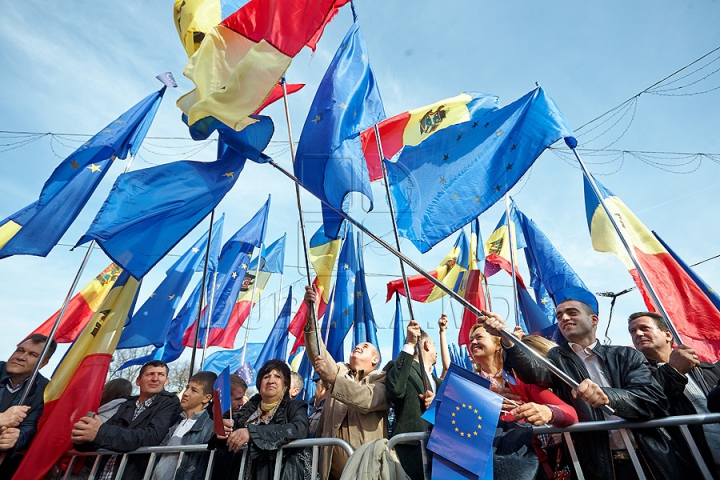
356	406
18	424
671	368
608	375
141	421
296	384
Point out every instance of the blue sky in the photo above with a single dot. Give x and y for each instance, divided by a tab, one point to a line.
74	67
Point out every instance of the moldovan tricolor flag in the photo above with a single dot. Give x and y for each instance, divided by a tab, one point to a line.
412	127
240	61
689	308
497	248
448	272
82	307
77	384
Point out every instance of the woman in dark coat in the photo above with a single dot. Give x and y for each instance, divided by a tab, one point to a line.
267	422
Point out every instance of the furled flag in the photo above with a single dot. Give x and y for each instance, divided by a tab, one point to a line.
222	400
471	283
329	155
231	358
459	172
77	384
232	268
276	344
414	126
497	247
323	252
82	307
448	272
150	324
270	262
690	310
398	328
37	228
149	211
241	60
365	329
341	311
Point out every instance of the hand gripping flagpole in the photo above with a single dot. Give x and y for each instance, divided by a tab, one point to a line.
209	318
406	285
467	305
511	245
202	297
252	303
65	304
572	143
313	316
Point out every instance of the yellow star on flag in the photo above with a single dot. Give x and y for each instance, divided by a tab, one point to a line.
93	168
317	118
229	174
342	105
75	165
234	275
171	296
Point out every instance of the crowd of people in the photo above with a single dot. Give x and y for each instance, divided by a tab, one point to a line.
353	401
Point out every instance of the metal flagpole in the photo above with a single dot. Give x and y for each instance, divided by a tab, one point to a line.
65	304
328	316
209	319
469	306
280	297
300	214
651	290
406	285
511	245
202	296
252	302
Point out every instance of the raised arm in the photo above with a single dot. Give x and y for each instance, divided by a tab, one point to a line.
444	349
311	348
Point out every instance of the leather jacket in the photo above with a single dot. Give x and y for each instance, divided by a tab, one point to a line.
634	395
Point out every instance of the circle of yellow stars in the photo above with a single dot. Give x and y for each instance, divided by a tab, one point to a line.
464	434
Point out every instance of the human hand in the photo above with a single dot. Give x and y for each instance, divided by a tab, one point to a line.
413	333
519	332
533	413
427	398
443	323
13	416
494	323
85	430
510	399
683	359
322	368
228	424
237	439
591	393
8	437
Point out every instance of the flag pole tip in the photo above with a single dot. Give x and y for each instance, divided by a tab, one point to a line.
571	142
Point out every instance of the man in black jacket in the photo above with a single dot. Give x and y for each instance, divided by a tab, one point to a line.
141	421
608	375
406	387
19	430
671	367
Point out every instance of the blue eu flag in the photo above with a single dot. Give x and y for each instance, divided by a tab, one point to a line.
276	344
365	329
231	358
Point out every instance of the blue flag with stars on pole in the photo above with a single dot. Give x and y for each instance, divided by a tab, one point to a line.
37	228
365	328
329	161
461	171
217	361
465	425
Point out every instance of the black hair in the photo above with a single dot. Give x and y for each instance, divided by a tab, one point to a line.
154	363
274	364
206	379
38	338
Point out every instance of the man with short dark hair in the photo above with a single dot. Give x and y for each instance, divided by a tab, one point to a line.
671	368
238	388
141	421
18	423
611	375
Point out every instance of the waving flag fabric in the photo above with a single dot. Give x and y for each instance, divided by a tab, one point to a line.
241	60
194	18
398	328
690	310
82	307
448	272
150	324
37	228
459	172
342	306
276	344
365	328
149	211
414	126
77	384
217	361
222	400
471	283
329	155
497	247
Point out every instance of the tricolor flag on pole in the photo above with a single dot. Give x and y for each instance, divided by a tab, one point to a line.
77	384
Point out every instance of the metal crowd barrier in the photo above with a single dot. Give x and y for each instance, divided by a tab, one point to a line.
182	450
622	426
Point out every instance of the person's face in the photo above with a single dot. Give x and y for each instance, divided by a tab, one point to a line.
152	381
574	322
482	344
271	386
320	389
364	357
649	339
193	397
430	350
24	359
238	398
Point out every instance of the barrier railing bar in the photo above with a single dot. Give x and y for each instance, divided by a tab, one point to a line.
208	473
179	461
314	466
633	455
70	468
573	455
95	467
695	452
150	466
674	421
243	463
123	463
